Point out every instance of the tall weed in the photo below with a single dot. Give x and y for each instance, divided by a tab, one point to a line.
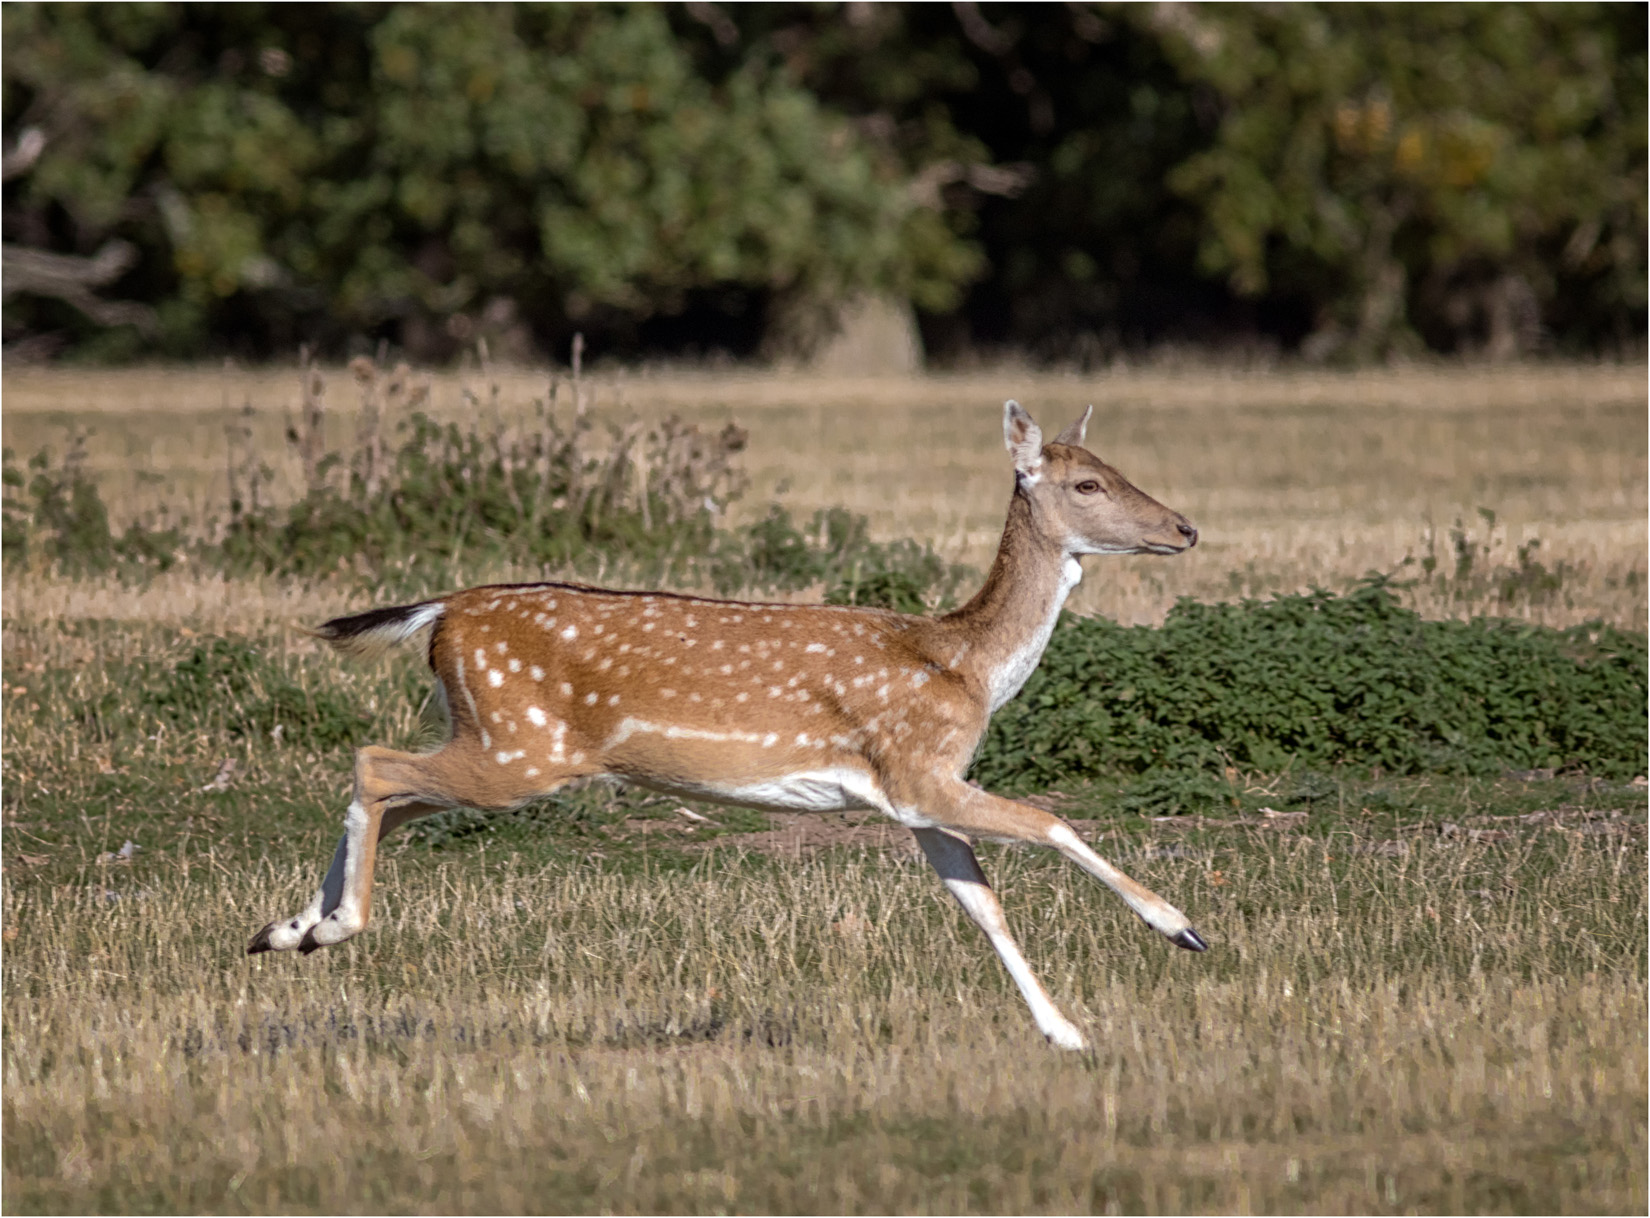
413	505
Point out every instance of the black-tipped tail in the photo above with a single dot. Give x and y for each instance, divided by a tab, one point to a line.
1190	940
377	630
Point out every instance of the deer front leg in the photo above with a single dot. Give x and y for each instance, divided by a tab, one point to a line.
953	858
967	809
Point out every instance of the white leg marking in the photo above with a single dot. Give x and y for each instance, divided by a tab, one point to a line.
960	871
285	935
1154	911
341	917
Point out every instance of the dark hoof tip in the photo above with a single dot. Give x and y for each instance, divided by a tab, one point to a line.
308	944
1190	940
260	941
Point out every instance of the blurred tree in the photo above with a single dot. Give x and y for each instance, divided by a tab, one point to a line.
423	171
1068	180
1046	133
1464	175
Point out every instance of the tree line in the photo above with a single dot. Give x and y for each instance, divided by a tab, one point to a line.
1074	181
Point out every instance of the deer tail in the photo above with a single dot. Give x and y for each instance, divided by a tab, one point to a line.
370	634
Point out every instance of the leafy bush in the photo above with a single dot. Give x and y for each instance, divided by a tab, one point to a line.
1322	680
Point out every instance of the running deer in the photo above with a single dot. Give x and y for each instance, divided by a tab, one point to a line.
812	708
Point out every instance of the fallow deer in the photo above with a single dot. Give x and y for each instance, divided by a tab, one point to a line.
813	708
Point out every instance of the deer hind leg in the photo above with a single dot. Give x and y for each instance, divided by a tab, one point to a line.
967	809
953	858
391	789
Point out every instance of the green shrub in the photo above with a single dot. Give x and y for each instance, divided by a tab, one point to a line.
233	684
1318	681
435	506
835	551
53	514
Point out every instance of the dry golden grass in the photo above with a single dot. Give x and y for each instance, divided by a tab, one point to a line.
1296	479
1457	1030
1437	1024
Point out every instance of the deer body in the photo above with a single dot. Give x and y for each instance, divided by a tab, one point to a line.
774	706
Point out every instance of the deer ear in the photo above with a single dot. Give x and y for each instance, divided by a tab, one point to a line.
1023	438
1073	435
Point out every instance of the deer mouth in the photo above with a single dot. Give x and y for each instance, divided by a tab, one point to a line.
1161	545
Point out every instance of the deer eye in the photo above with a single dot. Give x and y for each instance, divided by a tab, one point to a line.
1088	486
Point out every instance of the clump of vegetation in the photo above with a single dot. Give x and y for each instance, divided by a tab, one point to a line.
232	682
836	552
1474	567
489	491
412	505
51	514
1322	680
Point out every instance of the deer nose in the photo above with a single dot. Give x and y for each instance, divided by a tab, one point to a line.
1189	533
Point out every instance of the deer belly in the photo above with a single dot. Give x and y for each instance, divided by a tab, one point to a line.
789	772
837	789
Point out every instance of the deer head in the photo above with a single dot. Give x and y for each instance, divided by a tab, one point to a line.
1080	502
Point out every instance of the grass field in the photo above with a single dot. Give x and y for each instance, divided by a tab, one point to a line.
1423	994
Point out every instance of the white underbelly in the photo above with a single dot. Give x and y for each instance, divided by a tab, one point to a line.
826	790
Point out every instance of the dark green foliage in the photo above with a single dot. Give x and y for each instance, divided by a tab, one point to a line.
1170	792
435	172
1461	175
1310	682
1350	179
233	683
53	515
836	550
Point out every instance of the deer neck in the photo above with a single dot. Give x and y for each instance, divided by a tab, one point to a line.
1002	632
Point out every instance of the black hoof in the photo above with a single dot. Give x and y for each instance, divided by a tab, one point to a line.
1190	940
308	943
260	941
